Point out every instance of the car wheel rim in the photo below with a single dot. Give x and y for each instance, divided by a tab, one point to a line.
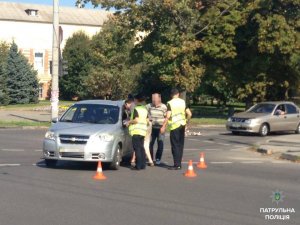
299	128
118	157
264	130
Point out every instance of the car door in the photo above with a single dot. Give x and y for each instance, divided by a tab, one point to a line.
292	116
127	148
279	122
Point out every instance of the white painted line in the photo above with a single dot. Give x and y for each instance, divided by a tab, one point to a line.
223	144
10	164
220	162
208	141
192	139
39	164
250	162
12	150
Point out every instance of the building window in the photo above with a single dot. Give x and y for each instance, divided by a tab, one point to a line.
41	91
38	60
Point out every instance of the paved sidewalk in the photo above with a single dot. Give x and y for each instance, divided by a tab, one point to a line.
284	146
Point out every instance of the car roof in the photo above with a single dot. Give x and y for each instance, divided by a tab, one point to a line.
277	102
102	102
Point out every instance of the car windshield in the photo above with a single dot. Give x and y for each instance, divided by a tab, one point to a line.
262	108
92	113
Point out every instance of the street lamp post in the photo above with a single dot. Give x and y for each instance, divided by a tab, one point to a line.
55	61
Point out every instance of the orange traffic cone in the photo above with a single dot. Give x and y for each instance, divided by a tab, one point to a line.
99	174
190	172
202	164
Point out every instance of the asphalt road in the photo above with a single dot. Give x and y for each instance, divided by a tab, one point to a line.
236	184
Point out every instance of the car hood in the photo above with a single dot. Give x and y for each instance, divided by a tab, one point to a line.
82	128
248	115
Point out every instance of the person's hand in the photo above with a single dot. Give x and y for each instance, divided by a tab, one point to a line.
162	129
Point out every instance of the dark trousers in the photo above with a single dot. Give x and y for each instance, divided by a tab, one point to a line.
138	147
177	144
156	135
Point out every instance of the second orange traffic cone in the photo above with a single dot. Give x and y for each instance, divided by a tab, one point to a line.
202	164
99	174
190	172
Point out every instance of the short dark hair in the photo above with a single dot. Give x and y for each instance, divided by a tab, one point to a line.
130	97
128	101
174	91
156	93
140	97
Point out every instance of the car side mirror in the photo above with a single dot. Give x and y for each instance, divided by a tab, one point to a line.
54	120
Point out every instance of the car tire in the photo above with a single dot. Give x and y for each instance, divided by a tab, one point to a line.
235	132
297	131
51	163
115	164
264	130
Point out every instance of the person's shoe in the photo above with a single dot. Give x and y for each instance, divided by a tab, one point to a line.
174	168
157	162
132	164
151	164
134	168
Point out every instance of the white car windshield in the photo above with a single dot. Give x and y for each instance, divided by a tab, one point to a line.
262	108
92	113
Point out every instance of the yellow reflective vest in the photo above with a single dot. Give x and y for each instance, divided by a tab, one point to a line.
178	117
140	128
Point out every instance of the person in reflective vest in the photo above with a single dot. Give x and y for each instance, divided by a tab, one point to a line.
138	130
178	115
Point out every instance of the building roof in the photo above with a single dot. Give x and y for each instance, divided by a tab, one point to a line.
68	15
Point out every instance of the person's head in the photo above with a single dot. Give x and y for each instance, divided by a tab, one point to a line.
156	99
139	98
174	93
128	104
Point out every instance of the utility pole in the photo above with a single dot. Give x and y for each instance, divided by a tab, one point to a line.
55	61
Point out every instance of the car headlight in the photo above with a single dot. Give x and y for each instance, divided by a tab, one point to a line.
106	137
50	135
229	119
248	121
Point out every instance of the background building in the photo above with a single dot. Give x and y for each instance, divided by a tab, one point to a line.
30	26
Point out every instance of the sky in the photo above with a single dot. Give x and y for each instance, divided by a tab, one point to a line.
48	2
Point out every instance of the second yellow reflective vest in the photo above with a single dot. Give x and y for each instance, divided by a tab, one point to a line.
140	128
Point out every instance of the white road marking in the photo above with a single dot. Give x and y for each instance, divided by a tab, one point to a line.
220	162
12	150
38	150
39	164
206	141
250	162
192	139
10	164
223	144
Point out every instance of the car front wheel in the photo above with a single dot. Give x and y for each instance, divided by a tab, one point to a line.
51	163
264	130
298	129
115	164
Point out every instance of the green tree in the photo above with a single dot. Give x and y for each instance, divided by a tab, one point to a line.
112	76
22	83
4	99
268	50
77	53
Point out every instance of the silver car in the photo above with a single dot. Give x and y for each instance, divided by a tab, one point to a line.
266	117
89	130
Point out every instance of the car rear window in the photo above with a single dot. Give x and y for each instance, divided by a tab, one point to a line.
92	113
